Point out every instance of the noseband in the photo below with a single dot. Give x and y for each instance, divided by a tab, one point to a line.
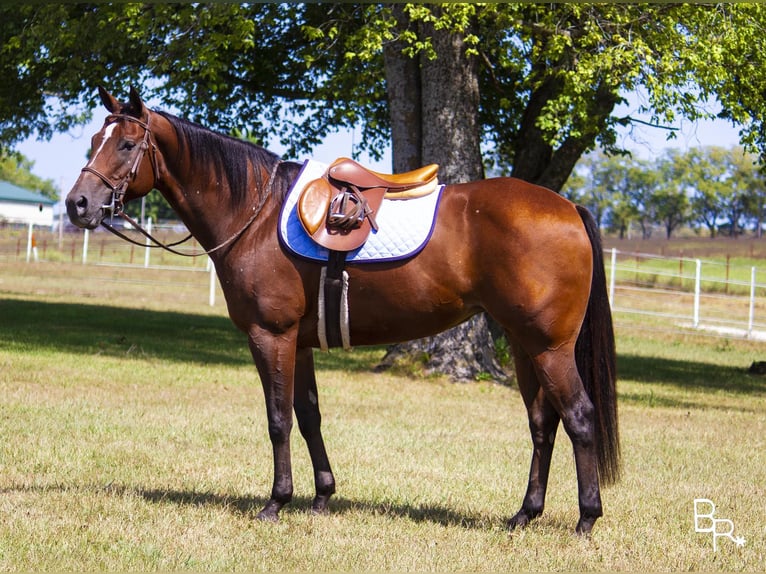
119	188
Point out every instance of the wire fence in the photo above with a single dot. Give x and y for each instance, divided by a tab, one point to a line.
714	297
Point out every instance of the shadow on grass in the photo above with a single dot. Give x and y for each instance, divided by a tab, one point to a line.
119	332
249	506
692	377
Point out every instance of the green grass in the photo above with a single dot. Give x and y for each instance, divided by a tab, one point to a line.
134	438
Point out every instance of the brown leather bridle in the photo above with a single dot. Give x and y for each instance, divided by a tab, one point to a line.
119	188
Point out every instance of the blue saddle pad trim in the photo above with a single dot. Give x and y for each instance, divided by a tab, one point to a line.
404	226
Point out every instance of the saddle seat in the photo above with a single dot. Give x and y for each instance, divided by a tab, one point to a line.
415	183
338	209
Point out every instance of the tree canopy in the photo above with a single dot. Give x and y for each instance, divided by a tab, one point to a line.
550	75
708	188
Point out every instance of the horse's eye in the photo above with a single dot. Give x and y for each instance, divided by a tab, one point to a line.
127	145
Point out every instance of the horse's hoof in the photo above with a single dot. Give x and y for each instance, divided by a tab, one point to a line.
270	512
584	526
521	519
263	516
319	506
319	509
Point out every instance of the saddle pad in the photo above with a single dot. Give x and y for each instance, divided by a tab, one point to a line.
405	226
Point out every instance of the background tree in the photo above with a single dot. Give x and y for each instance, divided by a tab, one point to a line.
706	175
669	200
640	185
602	188
755	200
743	189
17	169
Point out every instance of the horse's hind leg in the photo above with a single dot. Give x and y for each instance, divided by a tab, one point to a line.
306	406
543	424
557	373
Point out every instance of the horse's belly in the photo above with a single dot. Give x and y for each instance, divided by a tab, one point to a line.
414	301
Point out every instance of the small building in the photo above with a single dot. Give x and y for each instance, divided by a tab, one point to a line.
22	206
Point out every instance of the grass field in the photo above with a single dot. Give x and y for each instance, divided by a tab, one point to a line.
134	438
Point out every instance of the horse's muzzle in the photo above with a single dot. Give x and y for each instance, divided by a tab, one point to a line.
83	212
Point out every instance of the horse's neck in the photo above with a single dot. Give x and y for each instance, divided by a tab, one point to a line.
207	208
203	203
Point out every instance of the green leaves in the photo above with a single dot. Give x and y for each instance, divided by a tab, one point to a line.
706	186
550	74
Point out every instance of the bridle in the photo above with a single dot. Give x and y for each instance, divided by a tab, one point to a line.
115	207
119	188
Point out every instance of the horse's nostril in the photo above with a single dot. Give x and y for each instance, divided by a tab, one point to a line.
82	203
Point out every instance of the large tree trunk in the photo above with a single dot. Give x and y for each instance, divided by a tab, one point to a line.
404	100
436	102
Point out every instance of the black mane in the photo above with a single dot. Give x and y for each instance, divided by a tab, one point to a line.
230	158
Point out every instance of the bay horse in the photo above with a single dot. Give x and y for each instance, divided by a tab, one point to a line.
523	254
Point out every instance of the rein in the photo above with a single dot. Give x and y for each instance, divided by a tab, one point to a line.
119	189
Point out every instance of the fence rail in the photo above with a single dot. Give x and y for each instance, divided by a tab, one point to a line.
690	293
104	249
684	293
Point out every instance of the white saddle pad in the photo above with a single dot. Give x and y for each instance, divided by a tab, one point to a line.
404	226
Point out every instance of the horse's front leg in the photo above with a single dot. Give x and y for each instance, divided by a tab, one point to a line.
309	421
274	356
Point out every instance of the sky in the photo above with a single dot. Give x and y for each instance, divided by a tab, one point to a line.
61	158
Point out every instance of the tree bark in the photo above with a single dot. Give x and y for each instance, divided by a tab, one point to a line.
437	102
535	160
450	104
463	353
404	99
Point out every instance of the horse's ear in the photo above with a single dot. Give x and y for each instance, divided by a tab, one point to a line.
109	101
136	103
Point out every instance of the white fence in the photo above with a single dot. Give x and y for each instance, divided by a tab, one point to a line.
108	250
687	293
681	293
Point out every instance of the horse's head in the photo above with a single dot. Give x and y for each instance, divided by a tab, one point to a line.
122	164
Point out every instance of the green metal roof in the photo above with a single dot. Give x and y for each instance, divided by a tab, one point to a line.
14	193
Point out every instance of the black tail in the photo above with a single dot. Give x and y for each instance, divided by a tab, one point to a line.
596	360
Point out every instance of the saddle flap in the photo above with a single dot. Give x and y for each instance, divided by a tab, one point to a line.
314	203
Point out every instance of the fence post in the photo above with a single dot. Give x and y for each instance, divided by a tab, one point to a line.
751	314
85	237
697	276
612	273
147	250
211	297
29	240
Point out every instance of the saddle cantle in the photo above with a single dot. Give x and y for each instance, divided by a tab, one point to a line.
338	209
404	185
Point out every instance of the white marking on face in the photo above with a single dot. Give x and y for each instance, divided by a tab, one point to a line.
107	134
